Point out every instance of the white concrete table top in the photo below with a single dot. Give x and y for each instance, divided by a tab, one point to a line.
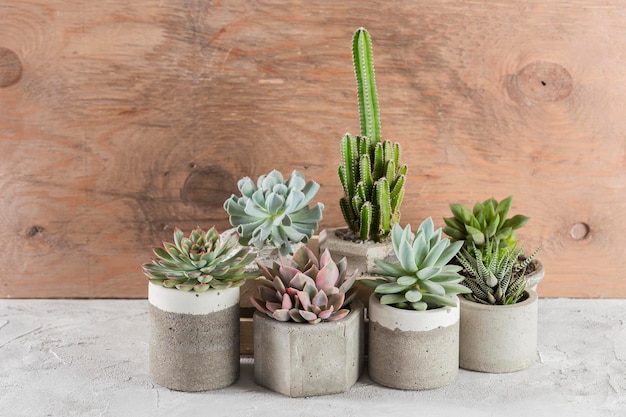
89	358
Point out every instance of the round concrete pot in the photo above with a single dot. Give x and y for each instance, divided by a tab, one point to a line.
360	256
536	276
194	343
302	360
413	350
498	338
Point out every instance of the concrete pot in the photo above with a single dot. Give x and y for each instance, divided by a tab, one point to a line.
413	350
194	343
302	360
536	276
497	338
360	256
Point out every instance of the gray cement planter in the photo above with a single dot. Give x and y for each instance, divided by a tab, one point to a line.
194	343
413	350
301	360
497	338
536	276
360	256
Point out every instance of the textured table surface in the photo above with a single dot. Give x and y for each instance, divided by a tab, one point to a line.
89	358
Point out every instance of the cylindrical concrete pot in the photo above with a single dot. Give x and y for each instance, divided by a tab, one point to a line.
412	350
535	277
499	338
194	343
302	360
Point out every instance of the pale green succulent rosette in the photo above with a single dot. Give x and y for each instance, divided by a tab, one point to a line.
422	279
200	262
274	211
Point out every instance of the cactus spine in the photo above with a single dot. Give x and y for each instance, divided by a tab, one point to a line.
370	173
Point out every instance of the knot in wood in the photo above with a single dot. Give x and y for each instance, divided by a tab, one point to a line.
209	187
10	68
34	231
541	82
579	231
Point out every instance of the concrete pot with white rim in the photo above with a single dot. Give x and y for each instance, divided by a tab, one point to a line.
303	360
412	350
499	338
194	343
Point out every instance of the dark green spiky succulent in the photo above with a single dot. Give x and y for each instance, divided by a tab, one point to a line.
487	222
200	262
495	275
371	175
275	211
306	289
422	279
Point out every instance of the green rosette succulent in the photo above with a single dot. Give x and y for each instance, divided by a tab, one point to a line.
275	211
495	275
305	289
486	222
200	262
423	279
371	175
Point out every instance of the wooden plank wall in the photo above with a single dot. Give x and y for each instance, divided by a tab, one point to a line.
120	120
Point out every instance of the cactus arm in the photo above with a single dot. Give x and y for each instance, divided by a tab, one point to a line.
365	170
361	191
383	200
366	85
349	153
365	145
379	160
397	194
396	154
366	221
348	214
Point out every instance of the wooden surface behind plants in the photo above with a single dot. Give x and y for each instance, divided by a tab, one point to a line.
121	120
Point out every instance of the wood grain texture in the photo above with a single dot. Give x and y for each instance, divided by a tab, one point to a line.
121	120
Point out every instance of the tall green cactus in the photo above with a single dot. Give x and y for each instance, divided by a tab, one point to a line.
370	172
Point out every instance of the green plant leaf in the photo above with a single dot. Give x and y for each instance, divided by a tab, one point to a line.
413	296
390	288
389	299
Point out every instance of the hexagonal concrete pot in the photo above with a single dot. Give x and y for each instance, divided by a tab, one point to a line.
499	338
194	342
302	360
413	350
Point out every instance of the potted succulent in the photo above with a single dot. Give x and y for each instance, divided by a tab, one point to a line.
499	317
309	329
193	296
487	223
371	175
273	215
414	311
